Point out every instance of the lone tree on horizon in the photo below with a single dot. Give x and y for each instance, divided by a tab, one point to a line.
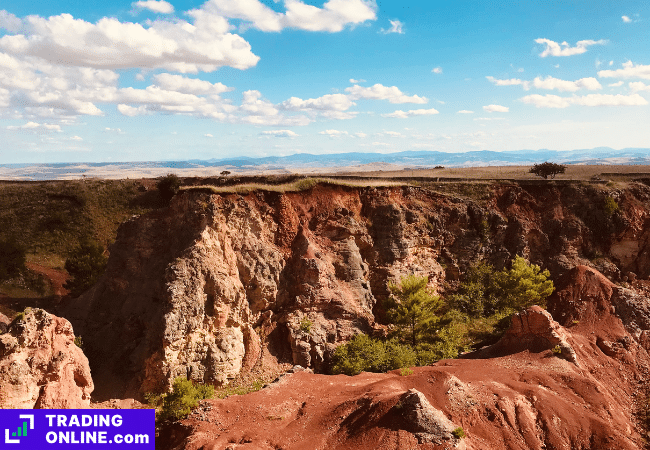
547	169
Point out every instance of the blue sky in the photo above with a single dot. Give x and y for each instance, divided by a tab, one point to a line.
157	80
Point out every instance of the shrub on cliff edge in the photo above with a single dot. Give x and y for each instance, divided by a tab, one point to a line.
184	397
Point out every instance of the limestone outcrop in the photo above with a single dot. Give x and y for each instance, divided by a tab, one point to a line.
40	365
188	289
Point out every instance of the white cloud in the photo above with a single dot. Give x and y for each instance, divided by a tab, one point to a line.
617	84
336	102
332	17
10	22
360	134
36	128
208	135
510	82
393	133
353	81
334	133
626	19
186	85
157	6
636	86
437	70
113	130
76	138
555	101
395	27
131	111
551	83
629	70
496	108
564	49
380	92
464	111
413	112
280	133
110	44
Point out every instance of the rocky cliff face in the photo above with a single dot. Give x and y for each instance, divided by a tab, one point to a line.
189	289
40	366
545	385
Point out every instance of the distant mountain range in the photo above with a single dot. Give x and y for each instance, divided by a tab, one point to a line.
301	161
600	155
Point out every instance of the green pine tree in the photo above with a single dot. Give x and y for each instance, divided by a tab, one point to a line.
413	309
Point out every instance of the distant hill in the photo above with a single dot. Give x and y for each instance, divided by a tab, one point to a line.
301	161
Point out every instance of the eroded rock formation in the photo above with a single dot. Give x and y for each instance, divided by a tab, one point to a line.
188	289
517	395
40	365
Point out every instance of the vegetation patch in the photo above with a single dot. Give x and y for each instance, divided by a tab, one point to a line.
184	397
427	328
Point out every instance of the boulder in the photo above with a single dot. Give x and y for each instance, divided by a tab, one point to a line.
40	365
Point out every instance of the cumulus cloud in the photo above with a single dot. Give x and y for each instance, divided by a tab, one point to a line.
551	83
332	17
186	85
157	6
334	133
637	86
564	49
279	133
110	44
464	111
395	27
10	22
437	70
617	84
413	112
337	102
208	135
626	19
353	81
380	92
393	133
36	128
496	108
131	111
76	138
555	101
629	70
510	82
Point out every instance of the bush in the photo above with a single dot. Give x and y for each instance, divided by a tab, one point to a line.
459	433
12	262
168	186
547	169
364	354
85	265
610	207
305	325
183	399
